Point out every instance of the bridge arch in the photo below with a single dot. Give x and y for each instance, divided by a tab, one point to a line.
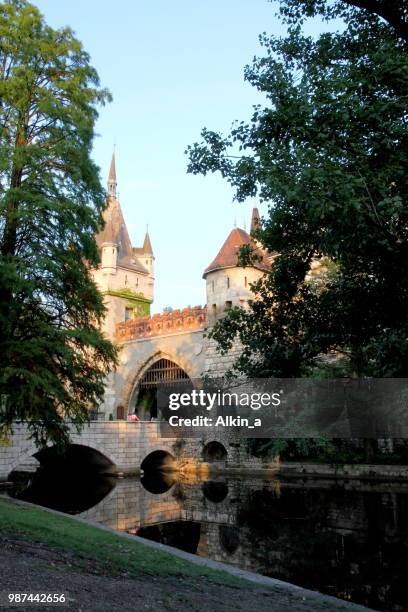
158	471
77	456
214	451
32	457
158	459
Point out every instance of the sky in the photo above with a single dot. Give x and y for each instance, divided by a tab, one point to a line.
172	68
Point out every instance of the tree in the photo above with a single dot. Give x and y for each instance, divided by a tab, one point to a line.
395	12
329	155
53	358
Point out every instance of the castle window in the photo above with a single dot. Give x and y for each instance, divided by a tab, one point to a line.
228	282
228	304
214	309
126	279
246	282
137	281
128	313
147	262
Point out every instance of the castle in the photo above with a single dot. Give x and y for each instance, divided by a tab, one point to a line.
169	346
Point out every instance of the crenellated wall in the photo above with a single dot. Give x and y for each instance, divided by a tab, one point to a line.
172	322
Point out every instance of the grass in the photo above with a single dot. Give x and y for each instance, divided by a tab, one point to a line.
114	555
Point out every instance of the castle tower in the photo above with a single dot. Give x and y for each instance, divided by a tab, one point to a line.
227	283
124	277
144	255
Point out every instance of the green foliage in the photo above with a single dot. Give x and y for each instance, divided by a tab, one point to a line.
53	358
315	449
328	153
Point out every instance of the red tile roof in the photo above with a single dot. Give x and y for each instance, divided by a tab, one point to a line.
229	252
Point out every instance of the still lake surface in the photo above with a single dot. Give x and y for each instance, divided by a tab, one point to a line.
348	539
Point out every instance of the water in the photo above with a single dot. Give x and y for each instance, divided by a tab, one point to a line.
346	539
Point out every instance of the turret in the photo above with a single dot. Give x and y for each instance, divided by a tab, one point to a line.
227	283
148	257
109	257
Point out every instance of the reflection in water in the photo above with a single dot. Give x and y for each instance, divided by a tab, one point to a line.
215	491
158	482
184	535
229	538
350	541
66	492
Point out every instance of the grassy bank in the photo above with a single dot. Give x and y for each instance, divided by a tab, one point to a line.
113	554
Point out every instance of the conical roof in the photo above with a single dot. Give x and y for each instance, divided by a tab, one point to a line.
115	232
147	245
229	253
112	170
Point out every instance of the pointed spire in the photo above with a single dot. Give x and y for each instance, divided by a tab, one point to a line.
147	245
112	184
255	221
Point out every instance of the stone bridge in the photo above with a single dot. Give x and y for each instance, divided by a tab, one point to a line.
118	446
130	506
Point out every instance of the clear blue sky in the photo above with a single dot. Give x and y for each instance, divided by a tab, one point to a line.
172	67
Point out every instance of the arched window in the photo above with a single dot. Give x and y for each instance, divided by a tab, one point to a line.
228	282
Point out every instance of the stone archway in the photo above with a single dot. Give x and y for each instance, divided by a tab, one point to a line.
214	451
129	390
158	460
77	456
157	371
158	471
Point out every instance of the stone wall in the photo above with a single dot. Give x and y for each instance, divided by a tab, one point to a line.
185	348
124	444
216	365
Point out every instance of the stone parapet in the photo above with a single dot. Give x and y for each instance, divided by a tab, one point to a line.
173	322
